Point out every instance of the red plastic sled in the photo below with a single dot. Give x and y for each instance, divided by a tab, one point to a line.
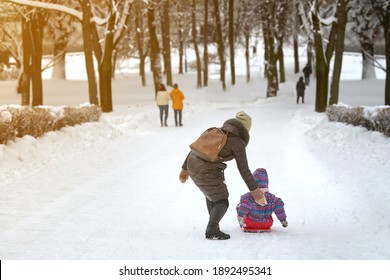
256	230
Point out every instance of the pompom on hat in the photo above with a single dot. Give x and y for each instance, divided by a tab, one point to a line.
245	119
261	177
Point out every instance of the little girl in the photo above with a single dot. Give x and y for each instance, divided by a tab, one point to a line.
254	217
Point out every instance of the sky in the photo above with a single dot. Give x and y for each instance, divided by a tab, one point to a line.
110	191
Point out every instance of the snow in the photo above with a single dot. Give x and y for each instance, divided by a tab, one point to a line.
110	191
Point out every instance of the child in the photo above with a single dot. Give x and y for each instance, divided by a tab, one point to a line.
253	217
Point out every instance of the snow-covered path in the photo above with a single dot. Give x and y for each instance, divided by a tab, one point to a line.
109	190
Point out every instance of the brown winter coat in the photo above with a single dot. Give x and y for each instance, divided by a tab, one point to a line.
209	176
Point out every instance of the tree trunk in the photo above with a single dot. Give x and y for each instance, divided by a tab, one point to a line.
382	11
154	49
196	49
37	25
221	47
338	60
205	44
181	51
166	40
25	77
322	67
140	43
368	68
59	53
296	54
105	67
88	53
387	86
231	42
309	52
247	57
271	57
282	73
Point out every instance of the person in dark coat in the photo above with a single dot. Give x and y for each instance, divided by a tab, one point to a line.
209	176
300	90
307	72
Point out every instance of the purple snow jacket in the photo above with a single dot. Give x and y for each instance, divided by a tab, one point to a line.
256	212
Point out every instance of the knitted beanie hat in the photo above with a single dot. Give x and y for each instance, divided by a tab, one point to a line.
245	119
261	178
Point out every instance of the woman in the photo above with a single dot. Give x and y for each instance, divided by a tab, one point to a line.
209	176
162	100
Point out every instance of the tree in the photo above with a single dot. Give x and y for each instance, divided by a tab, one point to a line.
140	38
307	28
105	65
382	8
342	15
231	42
117	14
196	49
220	43
88	51
60	27
279	33
366	26
33	22
323	54
166	41
205	44
10	33
182	27
249	19
155	52
270	56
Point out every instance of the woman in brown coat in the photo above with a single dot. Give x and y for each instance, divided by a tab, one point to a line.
209	176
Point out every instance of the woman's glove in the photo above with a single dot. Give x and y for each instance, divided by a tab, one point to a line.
259	197
284	224
183	176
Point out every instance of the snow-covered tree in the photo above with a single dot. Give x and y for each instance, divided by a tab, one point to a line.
140	35
114	22
366	26
342	15
60	26
382	8
270	49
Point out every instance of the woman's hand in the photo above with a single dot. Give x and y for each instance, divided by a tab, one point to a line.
183	176
259	197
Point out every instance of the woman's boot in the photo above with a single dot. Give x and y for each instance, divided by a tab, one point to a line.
216	215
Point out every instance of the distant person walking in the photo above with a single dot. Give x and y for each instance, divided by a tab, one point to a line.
307	72
162	100
177	97
300	87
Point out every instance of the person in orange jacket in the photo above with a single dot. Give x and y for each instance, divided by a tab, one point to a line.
177	97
